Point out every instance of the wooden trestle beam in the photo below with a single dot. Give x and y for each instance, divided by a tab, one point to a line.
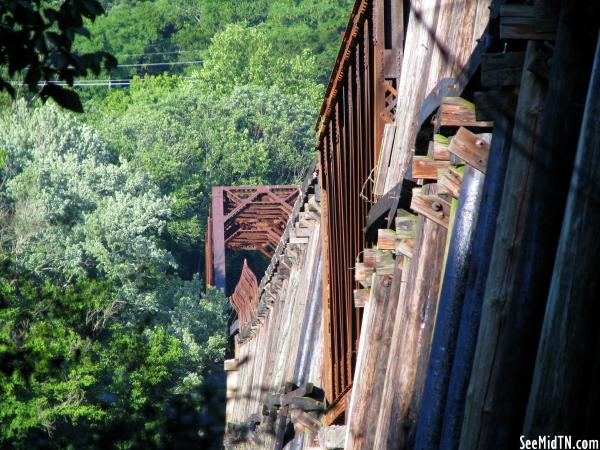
245	218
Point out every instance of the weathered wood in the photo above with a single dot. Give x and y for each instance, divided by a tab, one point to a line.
363	274
411	339
361	297
522	143
449	311
472	148
230	365
386	239
426	168
458	112
519	22
563	399
449	182
332	437
406	225
280	427
502	69
384	264
376	338
387	143
480	260
305	390
419	77
385	208
282	344
304	421
314	205
516	291
406	247
440	148
431	206
305	404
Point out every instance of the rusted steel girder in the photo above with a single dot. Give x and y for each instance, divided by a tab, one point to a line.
245	296
359	101
245	218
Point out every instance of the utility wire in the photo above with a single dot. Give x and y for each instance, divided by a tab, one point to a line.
177	52
176	63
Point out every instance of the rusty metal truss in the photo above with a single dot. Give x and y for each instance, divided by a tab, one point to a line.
360	99
245	218
245	296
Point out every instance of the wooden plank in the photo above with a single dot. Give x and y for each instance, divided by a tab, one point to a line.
361	297
406	247
440	148
386	239
449	182
472	148
305	390
369	257
363	274
387	143
375	342
566	367
431	206
406	225
412	86
384	264
518	22
410	340
458	112
427	168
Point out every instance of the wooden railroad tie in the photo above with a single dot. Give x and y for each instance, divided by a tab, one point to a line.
449	181
426	168
472	148
457	112
431	206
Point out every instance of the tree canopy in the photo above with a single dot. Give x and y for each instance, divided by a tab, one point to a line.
108	336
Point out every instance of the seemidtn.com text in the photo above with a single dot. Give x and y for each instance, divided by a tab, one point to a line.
558	442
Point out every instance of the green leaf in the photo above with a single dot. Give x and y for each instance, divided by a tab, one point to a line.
64	97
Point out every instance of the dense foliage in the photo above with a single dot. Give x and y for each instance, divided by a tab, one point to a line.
108	338
95	326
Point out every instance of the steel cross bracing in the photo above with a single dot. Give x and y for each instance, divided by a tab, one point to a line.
245	218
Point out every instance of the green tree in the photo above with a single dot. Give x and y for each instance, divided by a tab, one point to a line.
101	343
188	140
77	214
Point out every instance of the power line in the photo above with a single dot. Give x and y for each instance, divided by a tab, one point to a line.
106	82
177	52
176	63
